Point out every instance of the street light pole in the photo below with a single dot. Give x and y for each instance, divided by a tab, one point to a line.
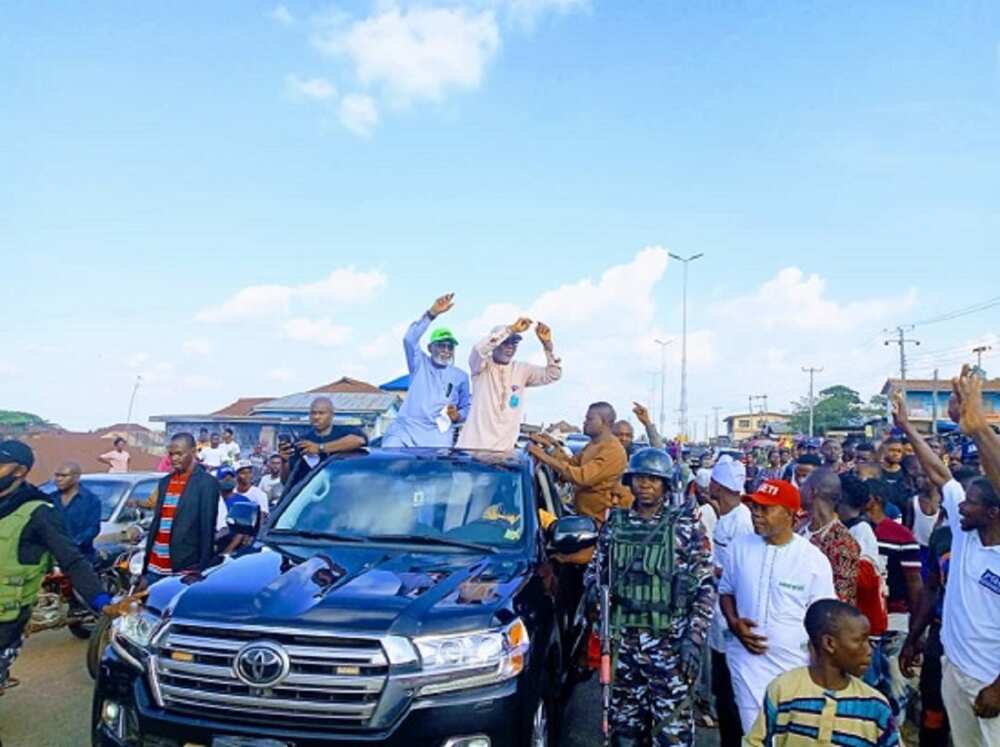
684	323
131	401
663	383
812	402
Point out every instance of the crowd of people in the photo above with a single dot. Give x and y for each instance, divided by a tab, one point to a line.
788	602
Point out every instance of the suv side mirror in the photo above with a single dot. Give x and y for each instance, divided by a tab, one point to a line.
571	534
244	518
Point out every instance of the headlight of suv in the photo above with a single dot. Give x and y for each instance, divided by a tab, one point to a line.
132	634
477	659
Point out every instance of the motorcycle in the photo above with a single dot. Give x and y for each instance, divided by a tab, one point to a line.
128	567
59	605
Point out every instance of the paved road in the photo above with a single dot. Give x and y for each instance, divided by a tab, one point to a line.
51	708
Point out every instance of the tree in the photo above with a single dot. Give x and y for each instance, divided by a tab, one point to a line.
835	405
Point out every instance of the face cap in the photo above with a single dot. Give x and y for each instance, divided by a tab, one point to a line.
778	493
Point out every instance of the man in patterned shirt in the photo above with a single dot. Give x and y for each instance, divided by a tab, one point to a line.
657	562
820	495
182	534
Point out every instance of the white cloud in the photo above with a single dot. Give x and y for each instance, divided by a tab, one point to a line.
253	302
9	369
416	54
316	331
282	15
137	360
359	114
315	89
282	375
344	285
197	346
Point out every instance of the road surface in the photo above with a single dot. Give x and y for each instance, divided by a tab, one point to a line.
51	708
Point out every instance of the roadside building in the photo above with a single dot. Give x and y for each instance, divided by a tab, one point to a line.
926	398
262	420
743	426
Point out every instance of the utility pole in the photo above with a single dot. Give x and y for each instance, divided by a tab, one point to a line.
812	402
131	401
663	383
979	355
750	404
706	428
684	333
934	410
902	341
716	408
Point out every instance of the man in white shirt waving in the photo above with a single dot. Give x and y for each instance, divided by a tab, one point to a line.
768	582
970	629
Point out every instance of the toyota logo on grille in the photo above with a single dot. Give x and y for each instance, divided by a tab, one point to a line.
262	664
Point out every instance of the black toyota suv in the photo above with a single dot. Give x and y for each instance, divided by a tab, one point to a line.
397	597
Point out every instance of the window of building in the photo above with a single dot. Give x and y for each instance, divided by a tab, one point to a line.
743	423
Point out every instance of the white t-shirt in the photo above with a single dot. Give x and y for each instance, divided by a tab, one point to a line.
708	519
271	486
773	586
970	632
231	452
728	527
213	458
864	535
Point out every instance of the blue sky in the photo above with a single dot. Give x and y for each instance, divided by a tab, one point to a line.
837	163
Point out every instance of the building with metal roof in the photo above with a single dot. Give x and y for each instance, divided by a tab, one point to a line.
257	422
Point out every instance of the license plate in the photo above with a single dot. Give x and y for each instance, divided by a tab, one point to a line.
248	742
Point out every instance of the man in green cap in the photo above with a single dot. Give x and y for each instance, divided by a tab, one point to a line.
438	396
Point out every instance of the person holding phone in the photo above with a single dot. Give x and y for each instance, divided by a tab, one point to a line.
319	442
438	397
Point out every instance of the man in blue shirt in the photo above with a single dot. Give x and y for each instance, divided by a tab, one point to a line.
319	442
438	397
80	509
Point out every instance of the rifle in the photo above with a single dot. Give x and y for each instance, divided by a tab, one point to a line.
605	590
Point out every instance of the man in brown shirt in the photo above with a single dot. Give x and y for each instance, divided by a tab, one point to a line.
596	472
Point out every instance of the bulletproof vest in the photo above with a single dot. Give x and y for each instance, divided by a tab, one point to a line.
647	590
19	583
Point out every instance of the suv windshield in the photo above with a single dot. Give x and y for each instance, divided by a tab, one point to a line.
399	498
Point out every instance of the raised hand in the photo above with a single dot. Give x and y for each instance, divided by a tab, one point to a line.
442	304
544	334
900	416
521	325
641	413
454	414
969	390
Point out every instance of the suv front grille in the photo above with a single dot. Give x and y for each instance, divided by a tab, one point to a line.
334	681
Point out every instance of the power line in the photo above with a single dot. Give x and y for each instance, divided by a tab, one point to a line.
958	313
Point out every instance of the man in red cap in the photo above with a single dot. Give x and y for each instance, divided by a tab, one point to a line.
769	579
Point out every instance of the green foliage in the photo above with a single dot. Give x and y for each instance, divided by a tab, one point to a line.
835	406
16	419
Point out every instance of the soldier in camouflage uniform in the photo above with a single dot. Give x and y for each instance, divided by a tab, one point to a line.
657	561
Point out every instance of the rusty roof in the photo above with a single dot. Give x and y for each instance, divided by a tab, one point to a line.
242	406
52	449
347	385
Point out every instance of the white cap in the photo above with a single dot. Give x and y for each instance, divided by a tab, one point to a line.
703	477
729	474
243	464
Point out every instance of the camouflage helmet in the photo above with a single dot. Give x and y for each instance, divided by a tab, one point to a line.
650	461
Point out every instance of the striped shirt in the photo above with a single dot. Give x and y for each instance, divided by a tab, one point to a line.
799	713
900	556
159	558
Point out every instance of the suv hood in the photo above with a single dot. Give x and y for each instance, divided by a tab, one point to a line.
380	589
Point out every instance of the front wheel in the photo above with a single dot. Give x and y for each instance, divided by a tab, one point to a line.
98	642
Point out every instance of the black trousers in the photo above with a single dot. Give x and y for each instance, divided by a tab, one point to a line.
11	638
730	726
934	731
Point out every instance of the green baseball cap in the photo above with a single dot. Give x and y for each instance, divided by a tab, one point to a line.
443	334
